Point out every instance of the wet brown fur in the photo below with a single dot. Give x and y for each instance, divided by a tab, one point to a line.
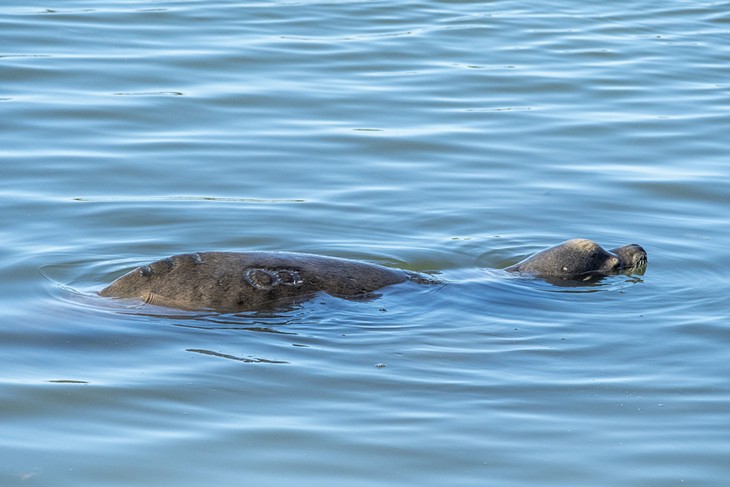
251	280
261	280
580	259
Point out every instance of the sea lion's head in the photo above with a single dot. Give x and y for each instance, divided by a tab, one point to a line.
582	260
632	258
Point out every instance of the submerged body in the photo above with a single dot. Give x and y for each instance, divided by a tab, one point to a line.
260	280
250	280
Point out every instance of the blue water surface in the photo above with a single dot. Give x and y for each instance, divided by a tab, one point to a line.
449	137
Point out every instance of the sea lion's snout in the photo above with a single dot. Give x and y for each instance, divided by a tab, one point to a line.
633	256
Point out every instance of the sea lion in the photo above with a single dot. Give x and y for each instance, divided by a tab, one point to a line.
261	280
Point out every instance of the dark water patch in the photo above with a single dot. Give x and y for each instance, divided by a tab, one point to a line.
218	199
150	93
247	360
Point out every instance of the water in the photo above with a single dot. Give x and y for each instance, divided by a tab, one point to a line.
439	136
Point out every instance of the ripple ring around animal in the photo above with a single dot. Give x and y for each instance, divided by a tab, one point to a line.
242	281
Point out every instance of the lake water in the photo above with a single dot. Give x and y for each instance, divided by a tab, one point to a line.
450	137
